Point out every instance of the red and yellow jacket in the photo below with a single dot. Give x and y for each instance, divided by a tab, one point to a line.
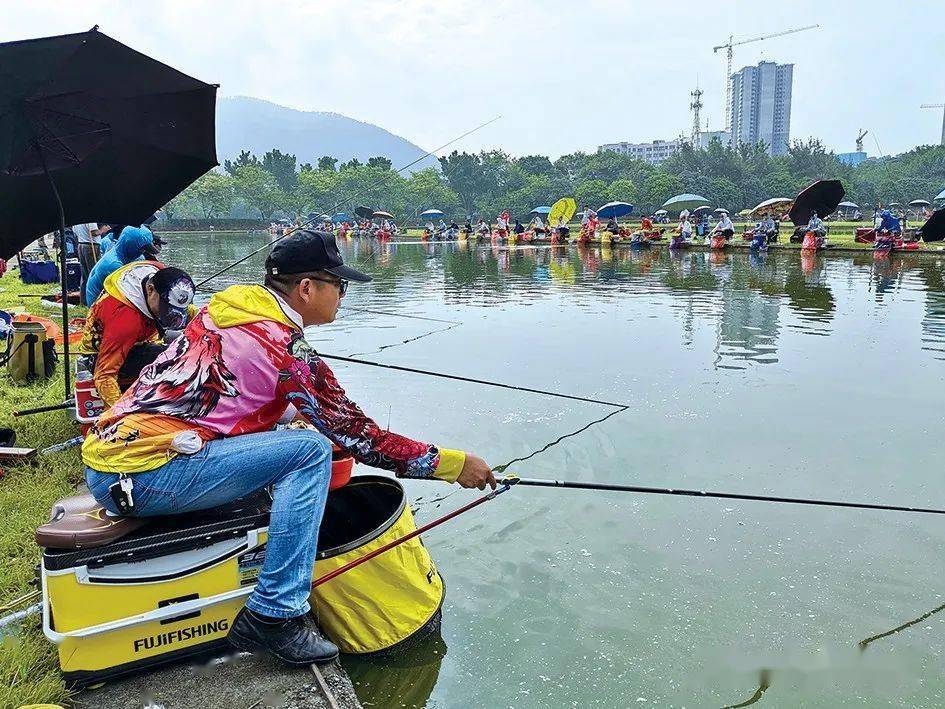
115	324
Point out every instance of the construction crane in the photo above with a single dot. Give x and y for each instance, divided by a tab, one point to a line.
696	107
728	73
937	105
859	140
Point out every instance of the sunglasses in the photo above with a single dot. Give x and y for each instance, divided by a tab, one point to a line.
340	282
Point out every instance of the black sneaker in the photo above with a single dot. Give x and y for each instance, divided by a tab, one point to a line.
291	640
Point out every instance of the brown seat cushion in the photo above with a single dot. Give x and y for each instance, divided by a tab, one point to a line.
79	522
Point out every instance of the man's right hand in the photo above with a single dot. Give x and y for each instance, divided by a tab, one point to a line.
476	473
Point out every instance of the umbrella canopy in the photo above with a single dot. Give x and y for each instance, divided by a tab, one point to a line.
744	213
683	201
564	208
364	212
120	134
541	210
919	203
776	204
614	210
893	204
720	210
383	215
940	195
339	217
93	131
432	213
934	227
822	197
849	205
660	212
701	208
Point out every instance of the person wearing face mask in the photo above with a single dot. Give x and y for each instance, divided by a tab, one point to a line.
140	302
195	431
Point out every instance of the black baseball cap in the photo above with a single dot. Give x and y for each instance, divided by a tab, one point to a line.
307	250
176	290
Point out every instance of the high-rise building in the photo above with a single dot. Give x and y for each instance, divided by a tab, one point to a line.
653	153
761	106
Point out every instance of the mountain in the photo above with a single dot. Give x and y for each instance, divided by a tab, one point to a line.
245	123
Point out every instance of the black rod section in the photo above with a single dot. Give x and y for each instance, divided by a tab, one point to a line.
723	495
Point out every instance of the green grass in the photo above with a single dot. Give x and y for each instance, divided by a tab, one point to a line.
28	666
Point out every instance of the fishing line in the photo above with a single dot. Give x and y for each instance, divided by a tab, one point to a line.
863	644
471	380
405	342
504	466
575	485
349	198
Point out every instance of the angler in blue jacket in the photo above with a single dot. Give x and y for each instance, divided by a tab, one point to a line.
134	243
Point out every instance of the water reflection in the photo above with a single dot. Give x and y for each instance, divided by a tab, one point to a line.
746	299
403	679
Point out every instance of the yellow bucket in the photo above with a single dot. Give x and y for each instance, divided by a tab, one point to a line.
390	600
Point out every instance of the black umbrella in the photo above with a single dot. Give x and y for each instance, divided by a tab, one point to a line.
934	227
822	197
364	212
93	131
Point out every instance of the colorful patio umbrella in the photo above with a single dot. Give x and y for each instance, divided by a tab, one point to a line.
541	210
564	208
614	210
683	201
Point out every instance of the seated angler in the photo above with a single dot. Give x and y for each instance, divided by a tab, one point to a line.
139	304
765	231
195	432
134	244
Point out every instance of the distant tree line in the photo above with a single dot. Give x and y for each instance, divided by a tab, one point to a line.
488	182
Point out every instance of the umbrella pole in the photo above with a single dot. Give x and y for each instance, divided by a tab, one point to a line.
63	280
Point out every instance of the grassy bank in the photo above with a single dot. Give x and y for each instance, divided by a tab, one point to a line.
28	668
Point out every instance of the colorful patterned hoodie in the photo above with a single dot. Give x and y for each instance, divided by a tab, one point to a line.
238	365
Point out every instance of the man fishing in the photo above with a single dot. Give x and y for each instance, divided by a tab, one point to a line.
195	432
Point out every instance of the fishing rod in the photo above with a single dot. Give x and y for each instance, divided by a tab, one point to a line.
534	482
503	487
349	198
458	378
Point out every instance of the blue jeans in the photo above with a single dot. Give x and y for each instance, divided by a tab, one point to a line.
298	466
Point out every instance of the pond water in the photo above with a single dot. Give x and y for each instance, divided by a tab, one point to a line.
783	375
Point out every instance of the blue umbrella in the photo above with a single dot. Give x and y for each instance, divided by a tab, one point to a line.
340	217
541	210
684	201
615	210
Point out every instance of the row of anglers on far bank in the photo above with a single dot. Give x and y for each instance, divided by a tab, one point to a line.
887	233
184	410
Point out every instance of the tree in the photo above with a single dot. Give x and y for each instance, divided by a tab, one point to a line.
622	190
351	164
281	166
258	189
245	158
381	162
212	194
464	174
425	189
326	162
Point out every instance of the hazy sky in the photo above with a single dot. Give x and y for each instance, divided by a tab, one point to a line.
565	76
